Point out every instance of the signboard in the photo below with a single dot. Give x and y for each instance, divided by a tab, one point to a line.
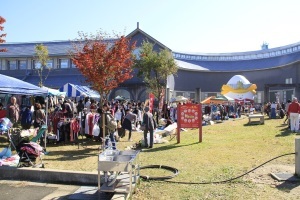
189	116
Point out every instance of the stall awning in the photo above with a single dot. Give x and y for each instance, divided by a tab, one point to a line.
72	90
10	85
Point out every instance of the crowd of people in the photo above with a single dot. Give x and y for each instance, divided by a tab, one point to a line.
26	117
130	115
220	112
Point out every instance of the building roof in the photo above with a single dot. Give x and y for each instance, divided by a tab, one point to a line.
139	31
240	61
55	48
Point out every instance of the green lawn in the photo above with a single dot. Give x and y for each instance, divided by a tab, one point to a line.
228	150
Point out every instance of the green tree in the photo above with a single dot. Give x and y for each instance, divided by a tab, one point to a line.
154	67
42	56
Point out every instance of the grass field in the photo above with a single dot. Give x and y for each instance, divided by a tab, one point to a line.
228	150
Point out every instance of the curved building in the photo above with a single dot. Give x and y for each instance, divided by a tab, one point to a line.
274	71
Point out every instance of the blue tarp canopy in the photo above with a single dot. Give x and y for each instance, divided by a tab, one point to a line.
10	85
72	90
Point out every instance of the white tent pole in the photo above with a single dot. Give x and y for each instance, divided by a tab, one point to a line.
46	123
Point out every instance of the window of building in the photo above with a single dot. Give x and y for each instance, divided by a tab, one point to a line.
72	64
288	81
12	64
63	63
36	64
137	53
258	97
192	95
49	64
179	93
209	94
22	64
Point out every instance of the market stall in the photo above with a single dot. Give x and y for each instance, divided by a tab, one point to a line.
13	86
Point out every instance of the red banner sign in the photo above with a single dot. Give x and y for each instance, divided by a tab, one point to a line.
151	101
189	116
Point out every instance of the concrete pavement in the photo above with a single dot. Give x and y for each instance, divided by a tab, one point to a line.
39	183
20	190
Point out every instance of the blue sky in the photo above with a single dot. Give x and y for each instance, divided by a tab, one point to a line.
207	26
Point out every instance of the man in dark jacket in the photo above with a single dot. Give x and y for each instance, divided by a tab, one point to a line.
150	125
127	122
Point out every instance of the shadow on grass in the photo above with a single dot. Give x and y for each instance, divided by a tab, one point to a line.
284	132
69	155
253	124
166	147
287	186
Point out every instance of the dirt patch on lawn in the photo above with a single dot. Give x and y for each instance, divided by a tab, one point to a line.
262	175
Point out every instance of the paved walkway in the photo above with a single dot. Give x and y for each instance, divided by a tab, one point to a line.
20	190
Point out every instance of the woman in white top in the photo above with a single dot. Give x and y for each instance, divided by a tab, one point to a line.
118	115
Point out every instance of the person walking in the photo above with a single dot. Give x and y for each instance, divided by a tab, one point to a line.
26	117
13	111
39	116
294	111
286	110
109	132
150	125
127	122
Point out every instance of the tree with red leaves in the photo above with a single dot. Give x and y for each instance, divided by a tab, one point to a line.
105	63
2	21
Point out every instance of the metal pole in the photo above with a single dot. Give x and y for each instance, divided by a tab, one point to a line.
103	128
46	124
178	112
200	122
297	157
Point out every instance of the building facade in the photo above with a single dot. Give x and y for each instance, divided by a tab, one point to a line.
274	71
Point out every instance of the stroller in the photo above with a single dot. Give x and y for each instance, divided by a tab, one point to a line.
29	150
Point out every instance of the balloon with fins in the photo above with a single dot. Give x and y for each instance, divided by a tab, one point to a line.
240	89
